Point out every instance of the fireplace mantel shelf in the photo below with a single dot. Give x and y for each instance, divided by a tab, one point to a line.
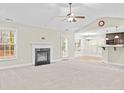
41	43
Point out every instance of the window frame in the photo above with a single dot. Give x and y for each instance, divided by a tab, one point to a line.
7	58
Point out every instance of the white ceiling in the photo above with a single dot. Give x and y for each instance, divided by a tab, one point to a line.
108	23
46	14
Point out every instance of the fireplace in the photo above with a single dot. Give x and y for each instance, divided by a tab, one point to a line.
42	56
42	53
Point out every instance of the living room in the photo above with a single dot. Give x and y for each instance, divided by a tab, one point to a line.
61	46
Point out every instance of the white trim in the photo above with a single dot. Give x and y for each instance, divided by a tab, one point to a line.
71	57
15	66
105	61
41	43
112	63
68	58
8	59
53	61
6	29
24	65
115	64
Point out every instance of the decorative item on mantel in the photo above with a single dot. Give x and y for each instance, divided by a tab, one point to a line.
116	31
42	38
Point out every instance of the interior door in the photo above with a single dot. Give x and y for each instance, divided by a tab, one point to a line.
65	48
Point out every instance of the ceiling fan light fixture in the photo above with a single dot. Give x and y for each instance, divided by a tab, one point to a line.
107	38
72	14
70	19
116	32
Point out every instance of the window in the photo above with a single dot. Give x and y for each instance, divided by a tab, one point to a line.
78	45
7	44
65	48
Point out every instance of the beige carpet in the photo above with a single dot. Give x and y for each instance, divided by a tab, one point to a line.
71	74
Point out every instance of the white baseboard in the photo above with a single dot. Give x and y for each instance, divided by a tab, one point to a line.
23	65
62	59
28	64
112	63
15	66
71	57
116	64
56	60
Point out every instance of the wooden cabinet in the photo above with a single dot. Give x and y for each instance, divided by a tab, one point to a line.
111	40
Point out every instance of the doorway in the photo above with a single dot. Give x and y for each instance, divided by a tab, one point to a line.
65	48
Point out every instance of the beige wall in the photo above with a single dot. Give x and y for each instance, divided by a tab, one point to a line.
28	34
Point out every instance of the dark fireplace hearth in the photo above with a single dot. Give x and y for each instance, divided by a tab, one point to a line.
42	56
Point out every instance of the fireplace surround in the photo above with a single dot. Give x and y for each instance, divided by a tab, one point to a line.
41	53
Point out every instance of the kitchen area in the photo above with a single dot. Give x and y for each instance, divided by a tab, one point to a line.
113	51
107	43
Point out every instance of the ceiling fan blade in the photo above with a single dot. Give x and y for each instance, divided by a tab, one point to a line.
63	19
70	16
79	16
62	16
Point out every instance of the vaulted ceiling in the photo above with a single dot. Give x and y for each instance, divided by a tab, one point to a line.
47	14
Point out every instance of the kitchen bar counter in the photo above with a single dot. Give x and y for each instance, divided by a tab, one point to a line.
113	54
112	46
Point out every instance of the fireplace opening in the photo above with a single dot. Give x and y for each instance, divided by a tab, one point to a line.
42	56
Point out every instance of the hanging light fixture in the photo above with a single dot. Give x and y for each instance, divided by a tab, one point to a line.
106	37
116	31
71	17
116	36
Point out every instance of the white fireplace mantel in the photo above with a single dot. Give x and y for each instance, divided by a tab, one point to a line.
41	45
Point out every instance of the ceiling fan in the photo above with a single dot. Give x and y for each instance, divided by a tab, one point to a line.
71	17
